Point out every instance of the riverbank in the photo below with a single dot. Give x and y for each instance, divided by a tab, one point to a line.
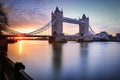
8	69
78	40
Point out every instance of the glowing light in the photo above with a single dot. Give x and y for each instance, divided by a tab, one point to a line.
20	47
23	29
20	38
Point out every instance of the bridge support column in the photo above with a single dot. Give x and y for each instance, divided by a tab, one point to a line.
81	31
84	34
51	39
57	26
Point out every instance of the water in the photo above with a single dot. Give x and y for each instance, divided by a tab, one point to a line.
68	61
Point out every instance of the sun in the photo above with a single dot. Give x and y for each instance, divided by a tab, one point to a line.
20	38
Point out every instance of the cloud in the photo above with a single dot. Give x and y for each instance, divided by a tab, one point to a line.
25	18
110	28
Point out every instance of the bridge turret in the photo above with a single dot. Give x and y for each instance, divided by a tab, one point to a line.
52	13
57	10
84	17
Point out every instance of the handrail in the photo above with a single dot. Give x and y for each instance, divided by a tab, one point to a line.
25	75
15	70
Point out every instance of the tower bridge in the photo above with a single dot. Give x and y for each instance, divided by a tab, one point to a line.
83	23
56	24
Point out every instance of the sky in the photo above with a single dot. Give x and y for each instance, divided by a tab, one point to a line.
29	15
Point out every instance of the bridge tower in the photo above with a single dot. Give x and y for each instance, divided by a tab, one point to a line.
83	27
57	25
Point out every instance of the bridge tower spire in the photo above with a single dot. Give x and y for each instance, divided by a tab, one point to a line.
57	25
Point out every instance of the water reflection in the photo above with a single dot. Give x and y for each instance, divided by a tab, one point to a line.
84	48
20	50
57	60
20	47
83	60
70	61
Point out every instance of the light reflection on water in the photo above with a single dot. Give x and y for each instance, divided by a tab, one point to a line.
68	61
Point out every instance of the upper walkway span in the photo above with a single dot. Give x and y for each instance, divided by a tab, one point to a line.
74	21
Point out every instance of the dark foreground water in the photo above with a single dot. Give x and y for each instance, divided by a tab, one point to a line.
69	61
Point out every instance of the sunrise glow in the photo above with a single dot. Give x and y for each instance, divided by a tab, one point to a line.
20	47
60	39
26	18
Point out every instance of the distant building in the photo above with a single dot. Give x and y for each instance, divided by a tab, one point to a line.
102	36
118	36
112	38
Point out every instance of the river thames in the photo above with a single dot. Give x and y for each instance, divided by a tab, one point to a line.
68	61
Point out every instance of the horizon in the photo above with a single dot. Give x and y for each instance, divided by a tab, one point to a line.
103	15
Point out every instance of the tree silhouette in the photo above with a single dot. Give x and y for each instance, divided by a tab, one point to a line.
3	17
